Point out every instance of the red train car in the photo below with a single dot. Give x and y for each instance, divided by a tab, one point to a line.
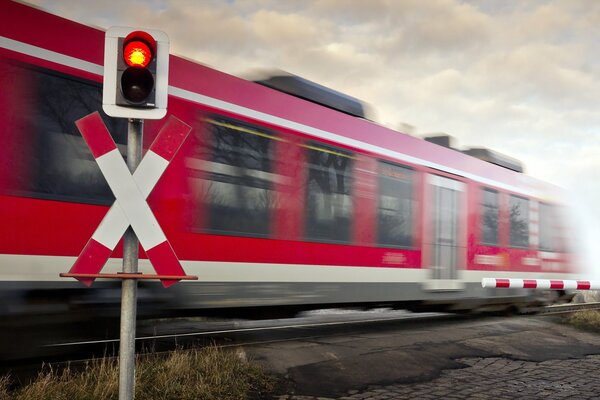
275	201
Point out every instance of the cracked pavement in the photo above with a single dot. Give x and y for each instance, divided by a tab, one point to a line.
471	358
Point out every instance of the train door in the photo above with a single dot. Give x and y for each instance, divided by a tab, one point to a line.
446	203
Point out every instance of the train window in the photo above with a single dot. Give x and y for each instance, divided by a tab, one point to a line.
395	206
550	228
329	204
519	222
489	217
61	166
239	188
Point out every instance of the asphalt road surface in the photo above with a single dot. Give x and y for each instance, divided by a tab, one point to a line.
475	358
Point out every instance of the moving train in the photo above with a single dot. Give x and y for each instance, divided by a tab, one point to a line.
285	196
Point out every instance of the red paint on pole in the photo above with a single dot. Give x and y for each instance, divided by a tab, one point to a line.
584	285
503	283
529	283
557	284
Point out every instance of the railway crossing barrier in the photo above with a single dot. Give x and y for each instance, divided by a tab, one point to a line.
541	284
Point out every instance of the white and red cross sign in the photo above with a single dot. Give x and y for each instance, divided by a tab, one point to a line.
130	207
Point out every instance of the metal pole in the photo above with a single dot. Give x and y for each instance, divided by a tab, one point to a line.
135	130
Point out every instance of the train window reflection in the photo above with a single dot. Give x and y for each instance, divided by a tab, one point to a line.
395	206
519	221
489	217
59	164
329	205
240	182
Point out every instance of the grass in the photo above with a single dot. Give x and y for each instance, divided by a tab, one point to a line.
208	373
586	319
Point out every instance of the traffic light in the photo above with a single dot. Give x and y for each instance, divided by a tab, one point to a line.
136	71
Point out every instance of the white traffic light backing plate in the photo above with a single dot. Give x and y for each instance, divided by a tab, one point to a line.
110	85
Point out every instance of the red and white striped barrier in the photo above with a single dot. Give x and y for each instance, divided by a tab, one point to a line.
552	284
130	207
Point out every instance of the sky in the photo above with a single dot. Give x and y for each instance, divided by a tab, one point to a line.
520	77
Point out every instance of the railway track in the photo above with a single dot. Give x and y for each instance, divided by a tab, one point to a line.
163	335
190	329
569	308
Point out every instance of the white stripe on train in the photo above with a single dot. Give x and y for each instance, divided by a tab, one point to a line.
72	62
15	267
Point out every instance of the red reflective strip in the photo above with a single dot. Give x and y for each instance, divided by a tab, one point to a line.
529	283
91	260
165	262
584	285
503	283
96	135
557	285
170	138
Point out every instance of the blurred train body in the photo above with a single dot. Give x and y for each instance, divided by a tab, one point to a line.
276	202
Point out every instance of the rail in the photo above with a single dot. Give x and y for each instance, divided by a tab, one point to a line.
568	308
294	325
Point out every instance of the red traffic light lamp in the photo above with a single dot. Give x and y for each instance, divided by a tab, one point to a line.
135	73
137	53
138	75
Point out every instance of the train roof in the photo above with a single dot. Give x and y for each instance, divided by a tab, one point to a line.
495	158
311	91
480	153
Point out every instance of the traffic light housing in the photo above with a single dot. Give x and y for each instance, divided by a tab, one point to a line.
136	71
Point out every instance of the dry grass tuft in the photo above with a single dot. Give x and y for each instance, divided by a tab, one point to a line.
586	319
4	388
207	373
214	374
